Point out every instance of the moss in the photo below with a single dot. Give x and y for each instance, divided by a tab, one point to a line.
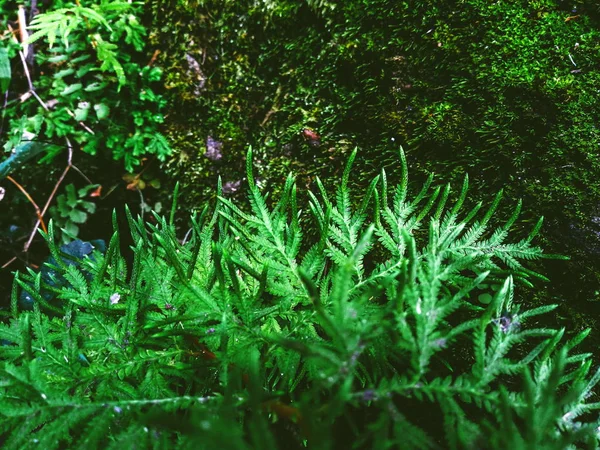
488	89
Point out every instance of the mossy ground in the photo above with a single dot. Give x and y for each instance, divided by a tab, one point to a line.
504	91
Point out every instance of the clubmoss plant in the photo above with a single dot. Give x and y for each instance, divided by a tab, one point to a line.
244	335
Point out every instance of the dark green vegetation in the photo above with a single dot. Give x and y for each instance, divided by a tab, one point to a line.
249	332
176	90
485	88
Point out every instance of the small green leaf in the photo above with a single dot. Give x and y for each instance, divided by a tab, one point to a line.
57	59
5	73
89	207
95	87
485	298
82	71
64	73
78	216
81	59
86	190
81	113
62	206
71	88
71	197
102	111
71	229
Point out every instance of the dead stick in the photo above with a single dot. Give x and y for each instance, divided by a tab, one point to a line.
35	206
76	169
154	56
23	34
52	194
26	70
9	262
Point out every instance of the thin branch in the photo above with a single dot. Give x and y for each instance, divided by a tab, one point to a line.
9	262
35	206
23	34
37	96
26	70
76	169
52	194
154	56
187	235
142	203
83	125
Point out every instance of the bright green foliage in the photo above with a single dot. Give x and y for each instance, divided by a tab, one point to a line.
72	210
95	80
5	72
247	336
62	22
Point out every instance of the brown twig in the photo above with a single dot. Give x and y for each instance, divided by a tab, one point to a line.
9	262
35	206
154	56
52	194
